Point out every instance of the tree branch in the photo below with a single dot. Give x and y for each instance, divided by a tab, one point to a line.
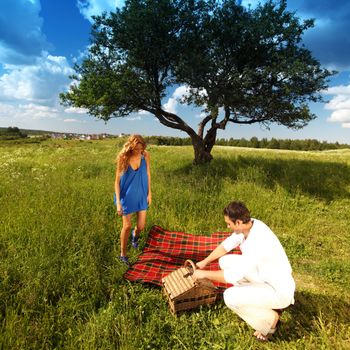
173	121
251	121
202	125
222	124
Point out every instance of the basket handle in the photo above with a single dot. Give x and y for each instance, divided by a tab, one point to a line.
190	262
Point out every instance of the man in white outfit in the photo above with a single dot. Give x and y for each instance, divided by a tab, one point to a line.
262	275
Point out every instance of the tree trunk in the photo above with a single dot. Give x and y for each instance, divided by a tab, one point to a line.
202	151
202	146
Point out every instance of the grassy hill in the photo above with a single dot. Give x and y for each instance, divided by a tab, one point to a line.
61	285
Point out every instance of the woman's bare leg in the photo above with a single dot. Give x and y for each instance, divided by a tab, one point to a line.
141	222
124	235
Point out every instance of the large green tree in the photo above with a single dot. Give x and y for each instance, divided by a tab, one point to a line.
241	66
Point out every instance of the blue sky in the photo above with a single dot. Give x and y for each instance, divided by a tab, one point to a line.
41	39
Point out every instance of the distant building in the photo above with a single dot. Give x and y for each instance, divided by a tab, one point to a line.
83	137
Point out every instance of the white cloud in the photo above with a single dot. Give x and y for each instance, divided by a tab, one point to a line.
133	118
171	105
143	113
34	112
181	91
40	82
72	120
8	114
25	113
89	8
76	110
177	96
340	104
340	116
173	101
338	90
200	115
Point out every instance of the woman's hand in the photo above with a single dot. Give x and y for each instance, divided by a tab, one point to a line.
149	199
119	209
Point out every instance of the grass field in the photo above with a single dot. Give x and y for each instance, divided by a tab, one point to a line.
61	285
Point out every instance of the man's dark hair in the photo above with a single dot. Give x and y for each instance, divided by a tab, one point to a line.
237	211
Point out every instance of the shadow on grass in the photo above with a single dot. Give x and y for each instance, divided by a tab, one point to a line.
325	180
311	317
310	312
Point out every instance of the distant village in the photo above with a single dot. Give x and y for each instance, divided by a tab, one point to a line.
74	136
13	132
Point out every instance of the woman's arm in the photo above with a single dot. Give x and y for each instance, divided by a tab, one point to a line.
148	164
117	191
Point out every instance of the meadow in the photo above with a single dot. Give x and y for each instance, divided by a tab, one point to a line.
62	287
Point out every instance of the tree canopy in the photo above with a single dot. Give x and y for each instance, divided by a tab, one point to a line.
240	65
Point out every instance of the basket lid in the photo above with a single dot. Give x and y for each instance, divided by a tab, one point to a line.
181	281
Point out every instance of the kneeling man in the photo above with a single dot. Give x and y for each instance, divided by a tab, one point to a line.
262	275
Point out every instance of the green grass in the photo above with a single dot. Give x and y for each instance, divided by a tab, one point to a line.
62	287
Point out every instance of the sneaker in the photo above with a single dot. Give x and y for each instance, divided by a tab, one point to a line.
134	239
125	260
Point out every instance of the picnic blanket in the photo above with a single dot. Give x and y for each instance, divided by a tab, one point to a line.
166	251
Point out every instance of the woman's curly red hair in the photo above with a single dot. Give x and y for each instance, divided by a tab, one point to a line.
124	155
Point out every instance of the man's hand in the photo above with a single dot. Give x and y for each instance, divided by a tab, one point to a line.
201	264
199	274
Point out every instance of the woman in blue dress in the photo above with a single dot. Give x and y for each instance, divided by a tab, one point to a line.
132	190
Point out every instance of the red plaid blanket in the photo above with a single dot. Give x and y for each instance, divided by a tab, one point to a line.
166	251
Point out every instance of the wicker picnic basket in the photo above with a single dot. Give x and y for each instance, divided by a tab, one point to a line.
183	292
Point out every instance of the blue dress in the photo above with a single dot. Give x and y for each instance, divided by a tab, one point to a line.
134	189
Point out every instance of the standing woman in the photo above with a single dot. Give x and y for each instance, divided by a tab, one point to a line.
132	190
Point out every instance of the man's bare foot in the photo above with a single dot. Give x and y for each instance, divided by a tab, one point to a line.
260	337
263	338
